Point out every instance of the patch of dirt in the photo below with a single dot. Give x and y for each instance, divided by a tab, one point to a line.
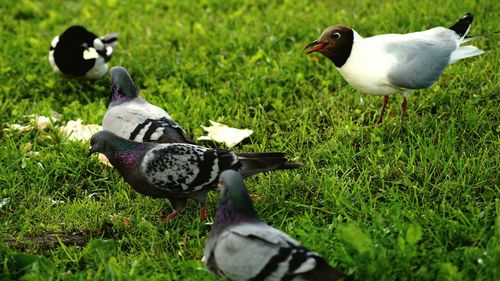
48	241
51	241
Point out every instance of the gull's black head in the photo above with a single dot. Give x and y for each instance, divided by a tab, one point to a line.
334	43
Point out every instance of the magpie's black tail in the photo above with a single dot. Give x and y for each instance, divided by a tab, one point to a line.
461	27
110	39
255	163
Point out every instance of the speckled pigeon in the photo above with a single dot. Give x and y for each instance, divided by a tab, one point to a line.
179	171
130	116
79	52
242	247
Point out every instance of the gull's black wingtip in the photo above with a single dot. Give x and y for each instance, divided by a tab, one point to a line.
461	27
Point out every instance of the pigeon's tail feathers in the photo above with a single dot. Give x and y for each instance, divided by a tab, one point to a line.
464	52
110	39
255	163
462	26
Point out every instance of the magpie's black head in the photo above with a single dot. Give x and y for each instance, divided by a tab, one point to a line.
77	36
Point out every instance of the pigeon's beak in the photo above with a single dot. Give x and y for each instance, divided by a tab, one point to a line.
90	152
318	45
219	184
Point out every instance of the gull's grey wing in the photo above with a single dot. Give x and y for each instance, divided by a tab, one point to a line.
420	57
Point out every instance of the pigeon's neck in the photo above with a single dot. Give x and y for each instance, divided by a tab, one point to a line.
126	156
231	214
118	97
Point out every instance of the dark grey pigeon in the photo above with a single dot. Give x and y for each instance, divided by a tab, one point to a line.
130	116
179	171
79	52
242	247
387	64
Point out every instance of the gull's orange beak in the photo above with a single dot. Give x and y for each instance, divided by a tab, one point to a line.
317	46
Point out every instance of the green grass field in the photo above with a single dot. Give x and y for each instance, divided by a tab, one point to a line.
412	200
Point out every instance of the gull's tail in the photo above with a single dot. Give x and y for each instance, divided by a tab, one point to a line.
461	28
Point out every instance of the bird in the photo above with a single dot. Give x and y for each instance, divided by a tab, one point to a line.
78	52
391	63
241	246
179	171
130	116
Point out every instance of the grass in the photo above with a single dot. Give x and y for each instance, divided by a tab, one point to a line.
412	200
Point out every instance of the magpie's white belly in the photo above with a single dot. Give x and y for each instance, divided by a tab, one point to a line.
99	70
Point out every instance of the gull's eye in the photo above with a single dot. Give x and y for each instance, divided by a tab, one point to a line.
336	35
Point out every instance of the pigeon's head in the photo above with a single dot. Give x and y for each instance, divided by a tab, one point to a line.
233	190
106	142
334	43
99	142
122	85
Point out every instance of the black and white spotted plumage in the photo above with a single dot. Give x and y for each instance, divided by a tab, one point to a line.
179	171
79	52
242	247
130	116
186	168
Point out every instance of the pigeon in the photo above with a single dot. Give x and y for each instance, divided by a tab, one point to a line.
390	63
179	171
242	247
130	116
78	52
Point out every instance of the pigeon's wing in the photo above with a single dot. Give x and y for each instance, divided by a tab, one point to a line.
172	131
185	168
259	251
419	58
141	121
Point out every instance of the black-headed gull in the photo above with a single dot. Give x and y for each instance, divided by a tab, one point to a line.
80	53
390	63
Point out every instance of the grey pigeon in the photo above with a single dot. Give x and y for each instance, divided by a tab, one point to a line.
179	171
79	52
390	63
242	247
130	116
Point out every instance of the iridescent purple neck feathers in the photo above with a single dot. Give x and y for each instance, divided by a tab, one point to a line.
118	97
125	159
227	214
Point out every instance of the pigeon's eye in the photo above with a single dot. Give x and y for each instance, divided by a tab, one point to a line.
92	142
336	35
